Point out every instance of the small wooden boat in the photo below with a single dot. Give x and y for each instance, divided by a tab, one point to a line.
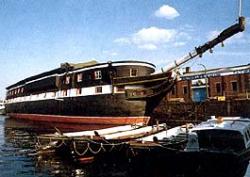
84	146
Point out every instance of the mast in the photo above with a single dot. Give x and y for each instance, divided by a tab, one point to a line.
225	34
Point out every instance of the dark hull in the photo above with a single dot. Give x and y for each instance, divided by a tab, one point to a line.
98	109
222	164
168	161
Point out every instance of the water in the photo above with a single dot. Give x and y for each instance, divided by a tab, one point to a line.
17	148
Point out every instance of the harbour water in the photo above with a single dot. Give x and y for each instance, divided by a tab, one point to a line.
18	158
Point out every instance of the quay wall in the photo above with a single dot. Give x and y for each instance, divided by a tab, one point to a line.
176	113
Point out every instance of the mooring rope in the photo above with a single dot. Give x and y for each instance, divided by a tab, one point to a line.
77	152
95	152
60	145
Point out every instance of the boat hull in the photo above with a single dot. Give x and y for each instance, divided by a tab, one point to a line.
94	105
168	161
222	164
82	119
114	110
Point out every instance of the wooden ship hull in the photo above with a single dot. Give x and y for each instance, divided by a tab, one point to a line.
108	93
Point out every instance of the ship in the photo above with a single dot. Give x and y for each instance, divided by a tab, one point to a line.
111	93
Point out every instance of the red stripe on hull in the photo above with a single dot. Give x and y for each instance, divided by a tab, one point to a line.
82	119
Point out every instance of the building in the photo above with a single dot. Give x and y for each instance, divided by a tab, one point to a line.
219	83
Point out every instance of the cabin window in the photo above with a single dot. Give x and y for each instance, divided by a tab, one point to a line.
133	72
185	90
78	91
98	74
79	77
221	140
22	90
218	87
98	90
67	80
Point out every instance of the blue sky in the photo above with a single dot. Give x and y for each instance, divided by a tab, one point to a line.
38	35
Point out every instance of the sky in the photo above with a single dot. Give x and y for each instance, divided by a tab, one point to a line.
39	35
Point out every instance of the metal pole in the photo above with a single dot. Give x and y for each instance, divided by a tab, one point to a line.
205	71
240	7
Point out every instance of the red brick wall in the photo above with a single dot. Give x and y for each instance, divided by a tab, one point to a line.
243	84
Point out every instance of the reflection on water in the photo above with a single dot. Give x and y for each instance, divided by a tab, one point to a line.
17	155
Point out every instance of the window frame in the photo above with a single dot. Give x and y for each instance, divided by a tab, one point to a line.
98	89
131	72
234	87
79	77
185	89
220	87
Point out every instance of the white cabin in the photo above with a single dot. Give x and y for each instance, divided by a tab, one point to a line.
223	133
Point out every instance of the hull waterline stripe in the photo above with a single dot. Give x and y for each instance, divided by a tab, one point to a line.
82	119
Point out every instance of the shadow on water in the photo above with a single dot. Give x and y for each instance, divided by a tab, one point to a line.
17	149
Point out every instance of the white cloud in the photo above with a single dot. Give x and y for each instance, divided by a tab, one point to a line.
149	38
179	44
183	36
167	12
148	46
153	35
153	38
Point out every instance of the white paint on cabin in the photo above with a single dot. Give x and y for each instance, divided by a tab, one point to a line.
241	125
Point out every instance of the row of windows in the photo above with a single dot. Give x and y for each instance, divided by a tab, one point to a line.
97	75
79	91
234	87
79	77
68	92
184	90
218	87
15	91
50	95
